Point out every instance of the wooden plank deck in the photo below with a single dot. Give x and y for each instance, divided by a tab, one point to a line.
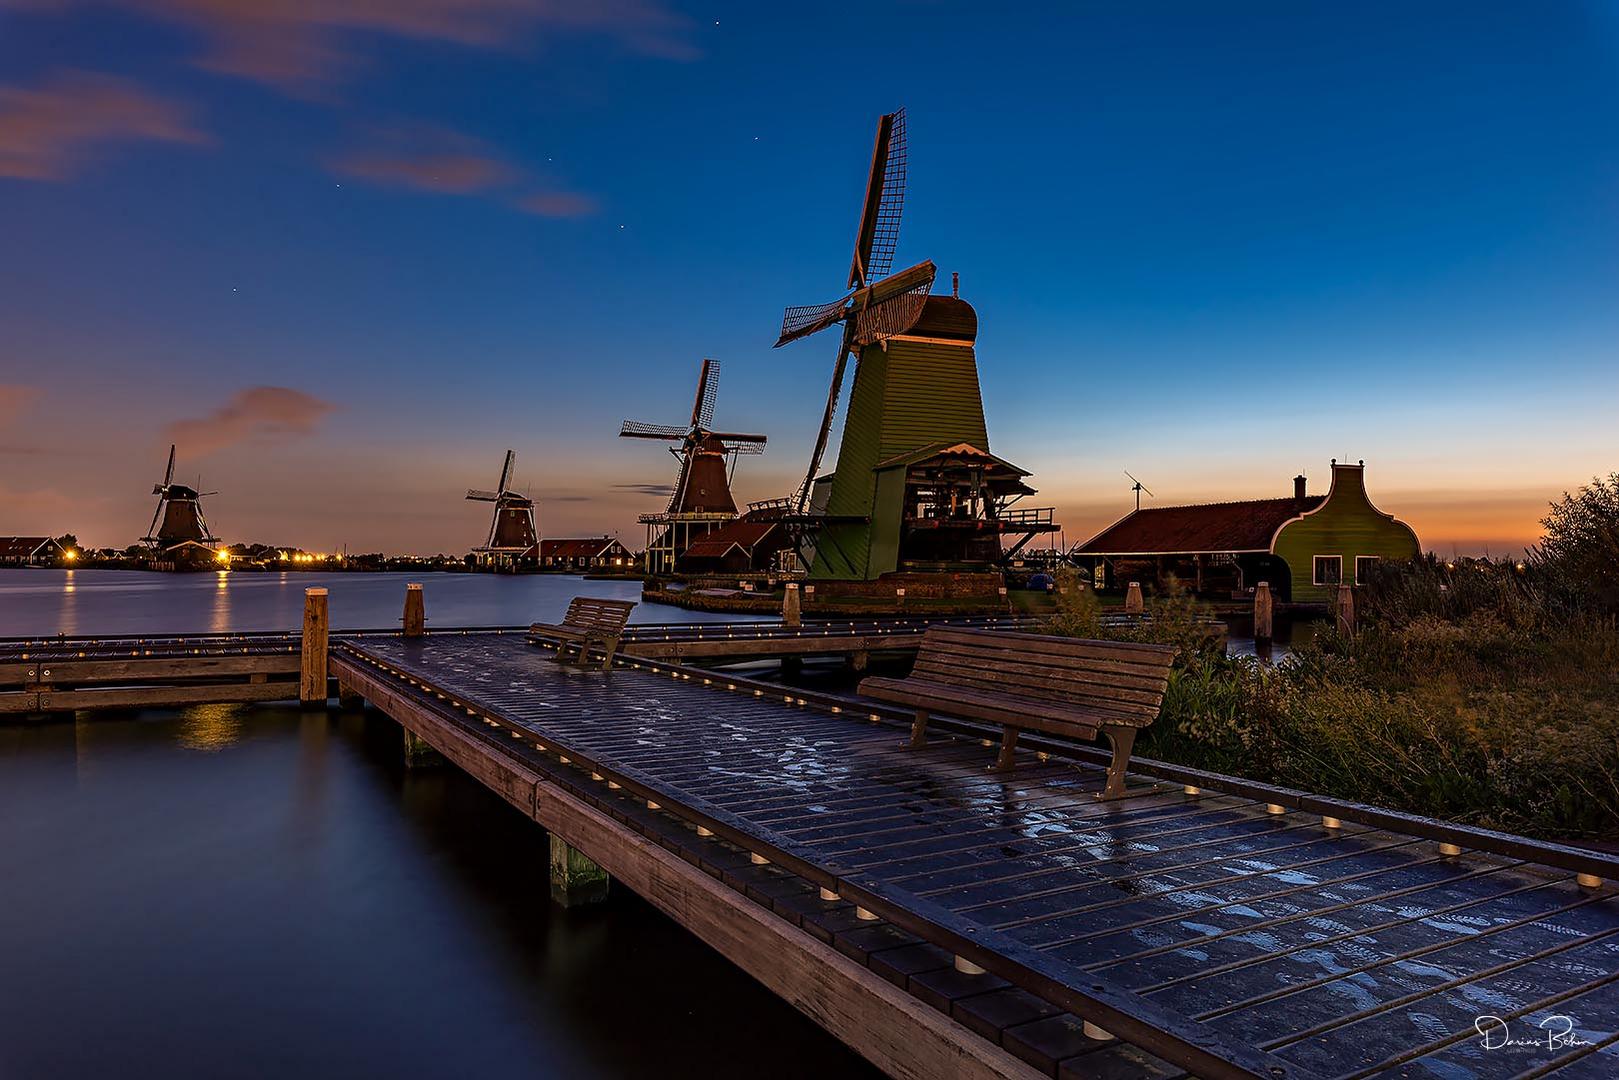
1207	930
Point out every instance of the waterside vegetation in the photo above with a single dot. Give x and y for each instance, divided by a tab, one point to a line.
1483	691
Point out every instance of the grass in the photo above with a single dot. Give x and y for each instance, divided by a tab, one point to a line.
1470	693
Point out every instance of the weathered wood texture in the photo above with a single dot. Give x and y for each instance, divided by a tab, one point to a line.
415	617
313	648
1034	682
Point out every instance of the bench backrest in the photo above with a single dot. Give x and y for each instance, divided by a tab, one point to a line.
1113	677
591	613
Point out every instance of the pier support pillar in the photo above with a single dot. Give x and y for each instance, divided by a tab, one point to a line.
419	753
790	605
415	617
348	697
1346	610
859	660
575	880
312	673
1133	604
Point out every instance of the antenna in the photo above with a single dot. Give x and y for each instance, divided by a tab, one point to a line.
1138	487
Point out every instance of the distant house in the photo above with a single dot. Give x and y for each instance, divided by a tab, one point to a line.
1305	546
585	553
735	547
29	551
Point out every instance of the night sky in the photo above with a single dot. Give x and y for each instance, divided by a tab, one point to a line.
346	252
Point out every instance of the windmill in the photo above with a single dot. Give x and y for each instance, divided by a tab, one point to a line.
915	484
701	498
706	456
178	518
511	534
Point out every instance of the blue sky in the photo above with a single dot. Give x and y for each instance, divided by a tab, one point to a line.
1212	244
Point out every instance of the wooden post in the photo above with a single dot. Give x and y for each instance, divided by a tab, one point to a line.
859	660
575	880
1346	610
415	611
790	605
1133	604
1263	618
312	666
418	751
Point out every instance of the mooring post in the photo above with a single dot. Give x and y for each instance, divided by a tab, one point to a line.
415	610
312	688
790	605
1346	610
1133	604
1263	619
575	880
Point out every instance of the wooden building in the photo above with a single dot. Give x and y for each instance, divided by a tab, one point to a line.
1305	546
29	551
585	553
747	545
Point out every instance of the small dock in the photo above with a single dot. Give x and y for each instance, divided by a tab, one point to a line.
948	921
942	919
729	643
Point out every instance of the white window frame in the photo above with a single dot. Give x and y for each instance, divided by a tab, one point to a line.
1364	558
1315	569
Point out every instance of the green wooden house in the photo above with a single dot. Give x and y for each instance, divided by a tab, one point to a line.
1305	546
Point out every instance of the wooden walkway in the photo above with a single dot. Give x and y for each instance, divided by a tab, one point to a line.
1222	933
721	643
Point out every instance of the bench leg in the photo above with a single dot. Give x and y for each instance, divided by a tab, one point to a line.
1004	761
919	730
609	647
1122	739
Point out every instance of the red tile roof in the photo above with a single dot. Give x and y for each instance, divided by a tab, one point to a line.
21	547
588	547
1211	527
716	542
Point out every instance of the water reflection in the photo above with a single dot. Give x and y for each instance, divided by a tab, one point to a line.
209	728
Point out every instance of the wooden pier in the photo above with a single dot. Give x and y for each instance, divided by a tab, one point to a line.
945	920
729	643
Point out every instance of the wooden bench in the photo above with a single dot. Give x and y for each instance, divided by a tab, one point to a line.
589	621
1034	682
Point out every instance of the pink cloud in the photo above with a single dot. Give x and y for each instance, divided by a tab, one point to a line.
453	173
47	133
295	43
558	204
259	411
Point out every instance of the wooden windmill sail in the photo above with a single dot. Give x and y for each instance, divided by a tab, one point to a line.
703	484
178	518
915	483
701	497
511	532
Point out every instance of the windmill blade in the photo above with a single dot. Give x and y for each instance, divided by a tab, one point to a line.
635	429
151	530
168	475
893	305
738	436
826	421
878	234
798	322
745	447
478	495
708	386
506	471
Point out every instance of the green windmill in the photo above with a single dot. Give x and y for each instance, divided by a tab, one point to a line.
915	487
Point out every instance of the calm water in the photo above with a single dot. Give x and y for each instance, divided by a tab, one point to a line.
258	892
247	892
138	602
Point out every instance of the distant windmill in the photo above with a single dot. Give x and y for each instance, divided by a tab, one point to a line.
703	485
512	531
179	511
1138	487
